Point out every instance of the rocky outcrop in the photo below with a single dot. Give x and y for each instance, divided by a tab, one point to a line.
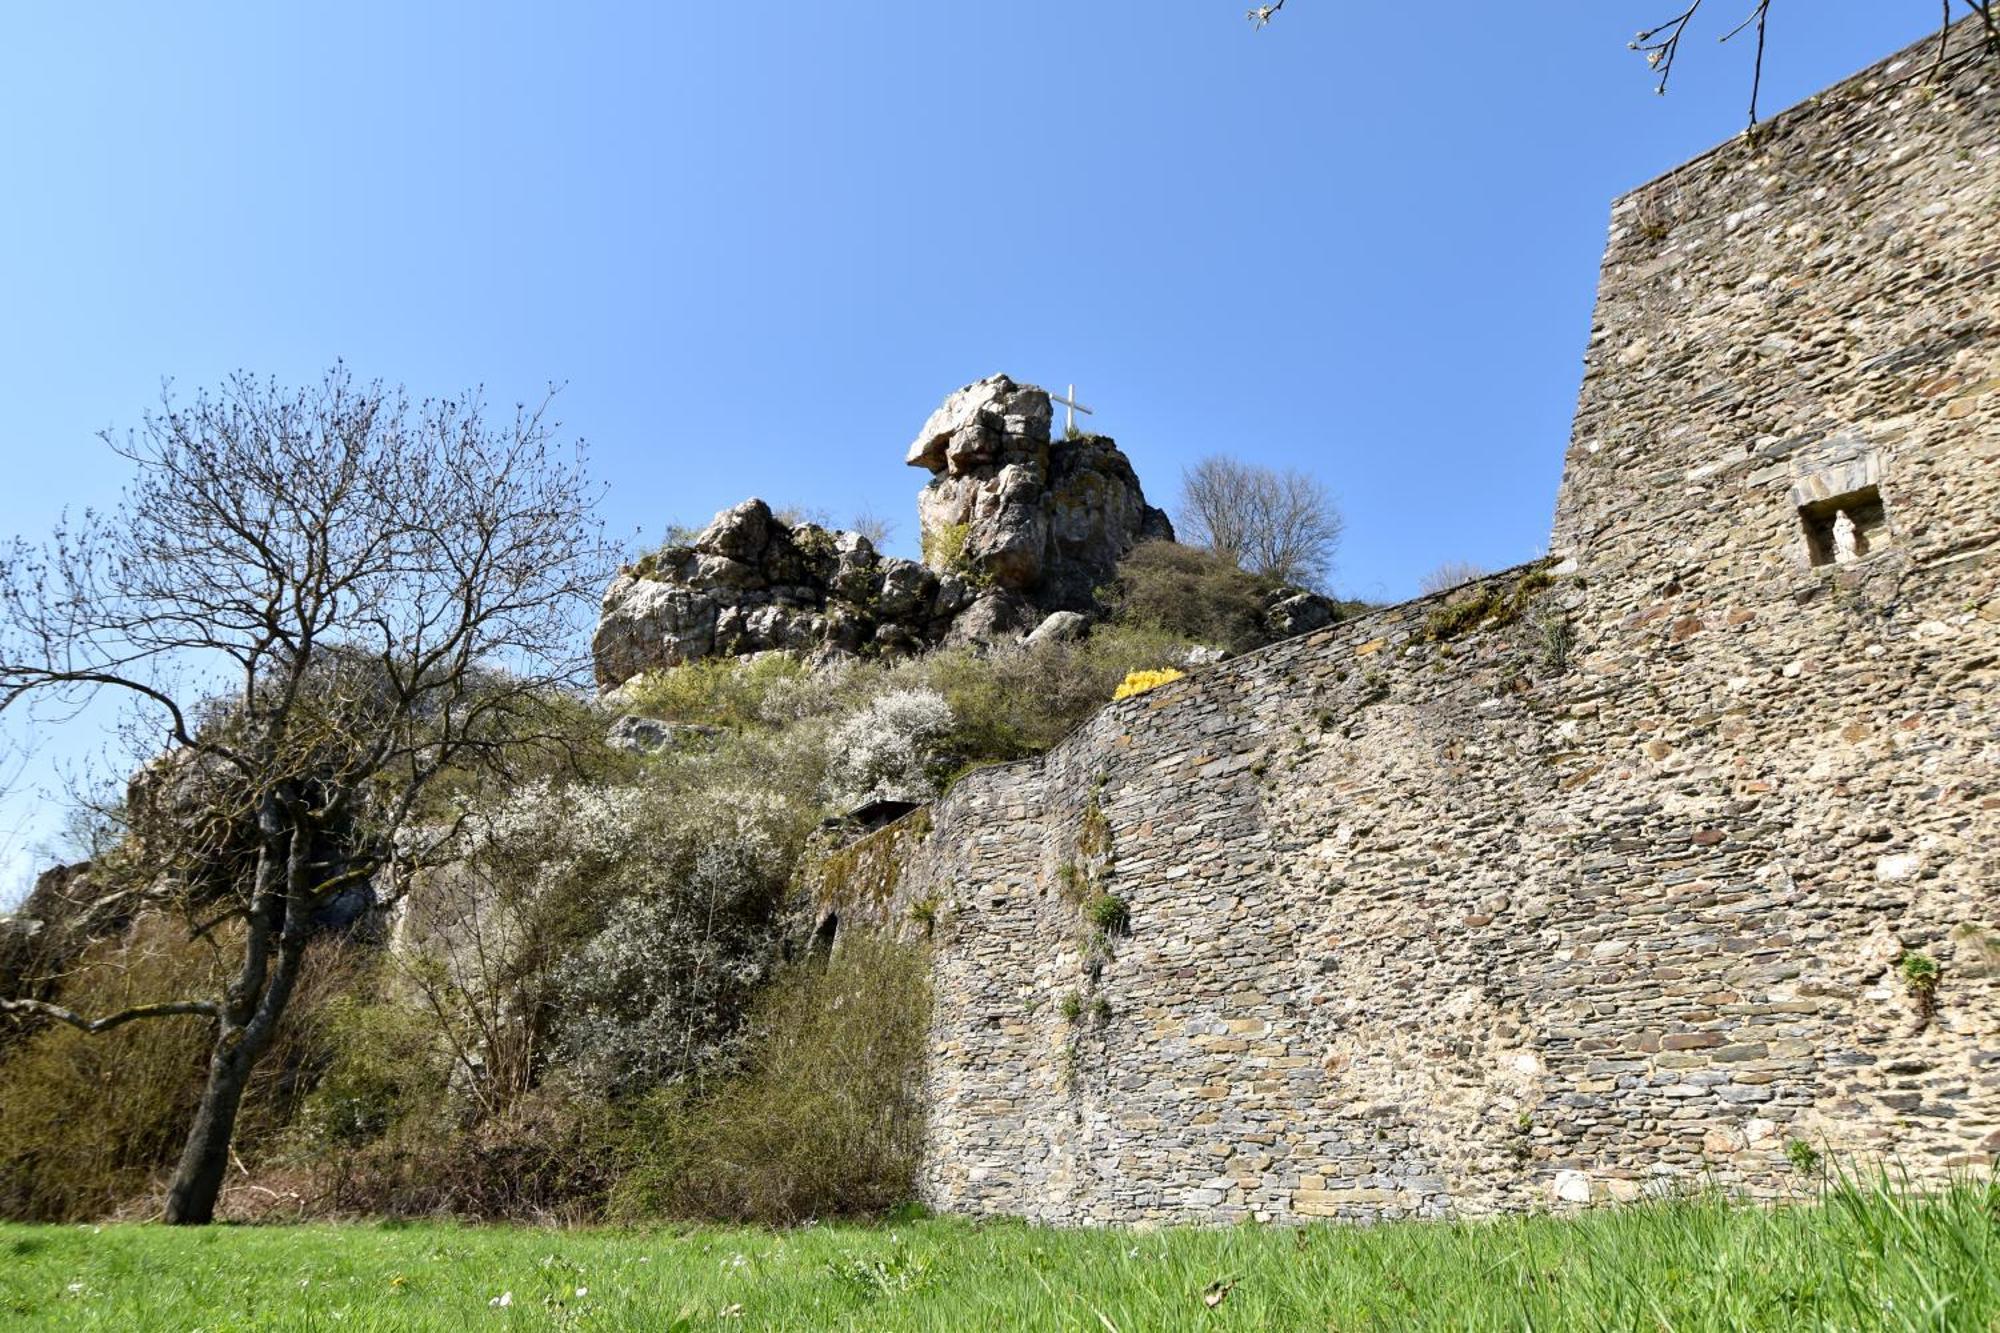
1014	527
1018	512
751	583
62	913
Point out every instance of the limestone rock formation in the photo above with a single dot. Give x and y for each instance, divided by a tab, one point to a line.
751	583
1014	527
1010	508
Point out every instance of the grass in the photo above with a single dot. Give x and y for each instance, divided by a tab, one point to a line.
1865	1258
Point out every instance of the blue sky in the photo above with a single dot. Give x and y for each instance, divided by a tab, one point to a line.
757	242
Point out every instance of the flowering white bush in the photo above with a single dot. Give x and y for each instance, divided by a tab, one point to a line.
657	994
891	745
636	918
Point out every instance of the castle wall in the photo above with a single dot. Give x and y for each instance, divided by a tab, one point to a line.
1613	885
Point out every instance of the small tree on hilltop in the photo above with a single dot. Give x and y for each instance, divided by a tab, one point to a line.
1283	525
320	603
1448	576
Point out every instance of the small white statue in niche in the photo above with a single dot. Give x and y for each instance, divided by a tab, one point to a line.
1846	540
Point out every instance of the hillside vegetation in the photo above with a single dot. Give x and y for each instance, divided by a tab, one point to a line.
606	1006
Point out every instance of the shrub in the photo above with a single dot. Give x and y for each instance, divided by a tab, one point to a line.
89	1124
894	745
1558	639
1019	699
385	1069
944	548
826	1117
1457	616
1805	1158
1921	974
1488	606
1138	682
717	691
1108	913
634	921
655	996
1190	592
550	1158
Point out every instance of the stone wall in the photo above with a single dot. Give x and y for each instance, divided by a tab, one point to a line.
1593	877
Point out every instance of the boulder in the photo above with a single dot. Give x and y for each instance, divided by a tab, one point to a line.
1294	611
994	617
1012	509
1060	627
647	623
740	533
645	735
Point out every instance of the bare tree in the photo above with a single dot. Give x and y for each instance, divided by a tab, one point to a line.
877	528
1448	575
320	603
1661	43
1283	525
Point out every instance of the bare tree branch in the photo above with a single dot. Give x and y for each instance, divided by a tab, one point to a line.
1661	43
43	1009
1261	14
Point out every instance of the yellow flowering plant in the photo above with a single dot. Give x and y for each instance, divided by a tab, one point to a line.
1138	682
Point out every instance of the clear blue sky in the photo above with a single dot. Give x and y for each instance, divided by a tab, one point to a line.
758	241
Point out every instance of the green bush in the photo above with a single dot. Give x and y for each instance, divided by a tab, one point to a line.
1018	700
824	1119
944	548
1921	974
386	1067
1109	914
91	1124
717	691
1192	593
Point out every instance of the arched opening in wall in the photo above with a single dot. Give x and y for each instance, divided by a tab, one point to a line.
822	942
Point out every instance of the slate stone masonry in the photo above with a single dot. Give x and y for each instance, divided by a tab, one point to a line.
1594	878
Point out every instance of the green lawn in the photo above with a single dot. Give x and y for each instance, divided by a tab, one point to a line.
1861	1260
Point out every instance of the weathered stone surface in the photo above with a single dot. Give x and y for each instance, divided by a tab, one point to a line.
646	735
1599	898
1014	527
752	584
1300	612
1011	508
646	624
62	913
1060	627
993	617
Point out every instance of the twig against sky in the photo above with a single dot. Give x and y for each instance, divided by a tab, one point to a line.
1661	43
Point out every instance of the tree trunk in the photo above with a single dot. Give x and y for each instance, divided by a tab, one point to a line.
205	1160
204	1163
